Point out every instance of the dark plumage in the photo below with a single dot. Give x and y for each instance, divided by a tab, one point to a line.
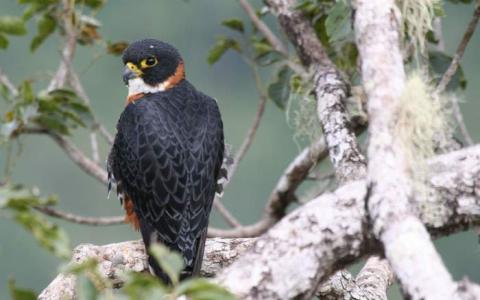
166	158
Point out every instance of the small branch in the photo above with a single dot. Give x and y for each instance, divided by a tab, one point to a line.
94	221
75	154
105	133
375	278
452	68
6	81
263	28
229	218
68	51
447	76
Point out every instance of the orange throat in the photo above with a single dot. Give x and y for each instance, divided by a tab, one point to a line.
171	82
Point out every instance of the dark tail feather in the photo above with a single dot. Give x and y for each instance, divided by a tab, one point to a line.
149	237
194	268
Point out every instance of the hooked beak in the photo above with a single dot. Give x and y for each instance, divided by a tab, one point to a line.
128	74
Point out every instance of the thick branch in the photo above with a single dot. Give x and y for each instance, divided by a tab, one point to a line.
390	187
330	91
321	237
330	232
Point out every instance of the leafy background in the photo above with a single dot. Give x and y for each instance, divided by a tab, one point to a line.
192	26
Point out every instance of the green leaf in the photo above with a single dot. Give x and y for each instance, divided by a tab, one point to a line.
234	24
3	41
94	4
53	122
26	92
46	26
85	288
439	63
116	48
170	262
19	202
141	286
338	20
221	46
19	293
279	90
202	289
12	25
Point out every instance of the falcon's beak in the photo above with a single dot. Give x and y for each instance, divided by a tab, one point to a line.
128	74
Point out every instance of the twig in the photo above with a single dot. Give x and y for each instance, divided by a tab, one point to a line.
94	221
68	51
229	218
447	76
6	81
75	154
452	68
105	133
247	142
283	193
263	28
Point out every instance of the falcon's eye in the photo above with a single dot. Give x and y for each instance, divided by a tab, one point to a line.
148	62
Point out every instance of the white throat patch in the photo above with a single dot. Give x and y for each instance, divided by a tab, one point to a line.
138	86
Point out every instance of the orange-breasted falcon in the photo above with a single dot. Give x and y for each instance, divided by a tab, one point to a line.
167	153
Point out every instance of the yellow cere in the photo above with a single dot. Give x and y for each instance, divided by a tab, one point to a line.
134	68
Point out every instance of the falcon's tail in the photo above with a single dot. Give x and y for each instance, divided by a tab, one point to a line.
193	269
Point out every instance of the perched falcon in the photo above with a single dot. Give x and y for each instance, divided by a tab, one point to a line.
167	153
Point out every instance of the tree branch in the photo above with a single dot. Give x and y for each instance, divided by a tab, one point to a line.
322	236
390	187
452	68
94	221
330	232
263	28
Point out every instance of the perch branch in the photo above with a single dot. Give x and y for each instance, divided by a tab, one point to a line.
322	236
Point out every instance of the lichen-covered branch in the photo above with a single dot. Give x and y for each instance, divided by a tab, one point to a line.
331	231
320	237
330	91
390	186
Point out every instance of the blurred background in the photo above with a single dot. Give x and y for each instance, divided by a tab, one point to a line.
192	27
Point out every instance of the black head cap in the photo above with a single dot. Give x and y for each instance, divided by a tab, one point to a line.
166	56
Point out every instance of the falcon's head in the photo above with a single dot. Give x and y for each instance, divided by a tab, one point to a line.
151	66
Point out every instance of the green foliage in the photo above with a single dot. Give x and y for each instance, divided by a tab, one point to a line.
46	26
12	25
20	293
170	262
337	24
439	63
116	48
221	46
139	286
234	24
3	41
202	289
19	202
59	111
279	90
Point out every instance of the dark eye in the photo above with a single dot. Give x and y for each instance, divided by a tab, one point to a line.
151	61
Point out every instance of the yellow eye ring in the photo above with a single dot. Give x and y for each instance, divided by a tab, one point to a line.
148	62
